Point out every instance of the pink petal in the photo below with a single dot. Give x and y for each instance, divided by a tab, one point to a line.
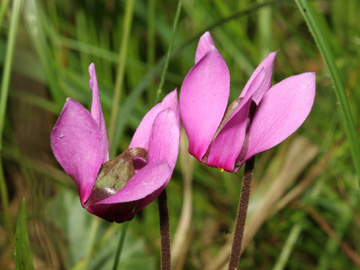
228	144
141	137
139	163
144	182
281	112
267	65
76	141
149	199
203	100
256	89
118	212
204	45
96	111
165	137
125	211
122	205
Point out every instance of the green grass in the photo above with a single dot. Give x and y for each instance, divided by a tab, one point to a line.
55	43
13	27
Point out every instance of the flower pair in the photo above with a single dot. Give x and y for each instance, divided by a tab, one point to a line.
219	136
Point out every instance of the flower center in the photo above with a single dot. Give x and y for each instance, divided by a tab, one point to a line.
115	173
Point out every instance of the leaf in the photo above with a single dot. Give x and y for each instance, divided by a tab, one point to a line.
23	256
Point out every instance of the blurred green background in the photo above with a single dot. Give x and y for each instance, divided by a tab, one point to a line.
304	209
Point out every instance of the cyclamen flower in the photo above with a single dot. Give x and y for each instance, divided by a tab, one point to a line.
117	189
262	117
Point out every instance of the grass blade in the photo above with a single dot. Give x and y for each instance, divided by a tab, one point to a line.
168	54
4	98
23	256
121	70
318	31
120	245
150	54
3	7
8	62
35	30
288	247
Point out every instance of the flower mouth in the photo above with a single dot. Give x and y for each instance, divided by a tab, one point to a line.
115	173
244	149
228	113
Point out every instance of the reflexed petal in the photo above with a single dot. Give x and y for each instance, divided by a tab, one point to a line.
76	143
203	99
203	46
267	65
145	182
141	137
164	139
96	111
282	110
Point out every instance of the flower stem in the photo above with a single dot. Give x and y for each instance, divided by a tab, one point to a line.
164	232
241	214
119	247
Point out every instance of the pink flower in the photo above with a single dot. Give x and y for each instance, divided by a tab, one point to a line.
117	189
262	117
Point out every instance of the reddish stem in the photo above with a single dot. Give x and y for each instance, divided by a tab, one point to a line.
241	214
164	232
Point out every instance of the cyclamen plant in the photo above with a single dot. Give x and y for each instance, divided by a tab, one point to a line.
262	117
117	189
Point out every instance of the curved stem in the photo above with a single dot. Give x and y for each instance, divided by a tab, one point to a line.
241	214
164	232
